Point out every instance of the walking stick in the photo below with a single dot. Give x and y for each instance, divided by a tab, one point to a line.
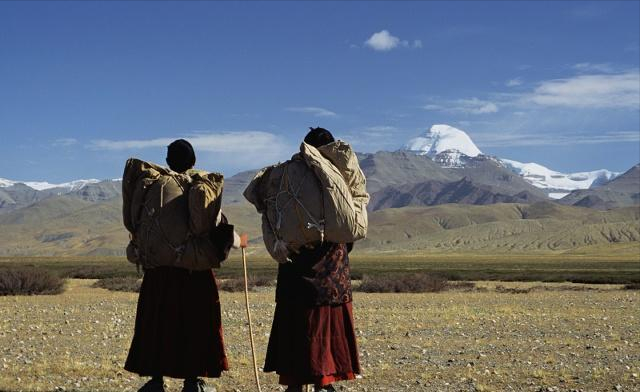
243	246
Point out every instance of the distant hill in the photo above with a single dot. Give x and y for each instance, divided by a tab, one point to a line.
64	225
540	227
628	182
235	185
622	191
101	191
383	169
19	195
431	193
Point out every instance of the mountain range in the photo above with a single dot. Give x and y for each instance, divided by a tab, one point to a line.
452	147
439	192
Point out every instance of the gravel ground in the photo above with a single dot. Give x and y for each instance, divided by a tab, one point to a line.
543	340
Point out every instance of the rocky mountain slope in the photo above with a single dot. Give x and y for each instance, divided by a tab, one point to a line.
429	193
64	225
623	190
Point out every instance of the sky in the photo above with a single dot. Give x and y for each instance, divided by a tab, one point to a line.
85	85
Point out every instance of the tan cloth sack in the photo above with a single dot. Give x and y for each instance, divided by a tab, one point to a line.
170	215
318	195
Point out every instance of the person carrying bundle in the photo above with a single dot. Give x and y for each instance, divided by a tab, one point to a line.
178	233
313	208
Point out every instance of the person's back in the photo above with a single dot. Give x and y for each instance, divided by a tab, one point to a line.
178	330
312	339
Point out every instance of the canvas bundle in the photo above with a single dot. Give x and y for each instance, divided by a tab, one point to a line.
318	195
171	216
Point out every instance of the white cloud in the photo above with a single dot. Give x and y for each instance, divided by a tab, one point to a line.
384	41
513	82
591	67
314	111
226	151
465	106
590	91
65	142
476	106
227	142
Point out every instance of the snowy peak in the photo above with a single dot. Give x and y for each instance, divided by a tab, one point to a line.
41	185
441	138
557	183
5	183
450	147
451	159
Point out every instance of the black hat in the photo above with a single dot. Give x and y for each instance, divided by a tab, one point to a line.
180	156
318	137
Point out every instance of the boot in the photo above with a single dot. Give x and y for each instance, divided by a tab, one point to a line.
156	384
196	385
326	388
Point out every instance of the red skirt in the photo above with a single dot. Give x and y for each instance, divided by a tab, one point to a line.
312	345
178	330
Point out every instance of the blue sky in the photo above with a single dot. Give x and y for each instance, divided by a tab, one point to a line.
84	85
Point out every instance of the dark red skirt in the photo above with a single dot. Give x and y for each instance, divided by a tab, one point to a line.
178	330
312	345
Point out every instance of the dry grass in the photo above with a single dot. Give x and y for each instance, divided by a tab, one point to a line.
233	285
448	341
29	281
128	284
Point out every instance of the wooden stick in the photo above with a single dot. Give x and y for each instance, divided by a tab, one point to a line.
246	298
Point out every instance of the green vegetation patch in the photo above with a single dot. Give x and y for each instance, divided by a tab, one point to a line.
590	266
402	283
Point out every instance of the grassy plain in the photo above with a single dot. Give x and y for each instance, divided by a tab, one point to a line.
618	263
567	337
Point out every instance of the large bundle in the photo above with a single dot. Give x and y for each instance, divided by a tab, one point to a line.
171	216
318	195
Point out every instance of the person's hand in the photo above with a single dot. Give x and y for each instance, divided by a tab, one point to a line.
244	240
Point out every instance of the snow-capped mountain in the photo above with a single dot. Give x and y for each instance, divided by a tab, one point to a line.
5	183
451	159
42	185
559	184
443	138
15	195
452	148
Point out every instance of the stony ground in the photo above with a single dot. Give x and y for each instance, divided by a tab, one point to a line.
551	339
